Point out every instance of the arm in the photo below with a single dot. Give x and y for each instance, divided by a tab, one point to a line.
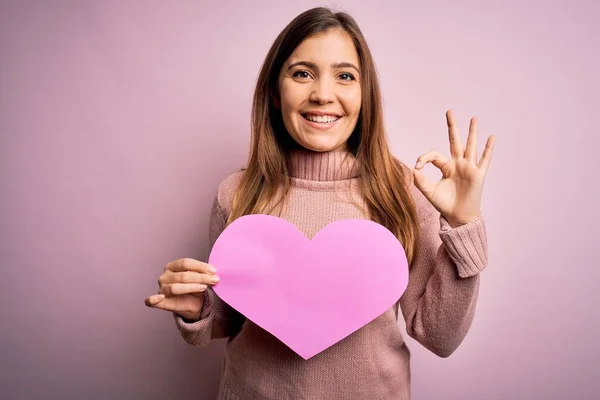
217	319
439	302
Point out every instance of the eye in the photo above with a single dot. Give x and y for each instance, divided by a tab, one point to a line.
346	76
301	74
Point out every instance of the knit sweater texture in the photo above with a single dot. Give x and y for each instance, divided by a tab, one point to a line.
374	362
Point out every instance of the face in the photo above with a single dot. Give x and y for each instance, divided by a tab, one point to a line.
319	91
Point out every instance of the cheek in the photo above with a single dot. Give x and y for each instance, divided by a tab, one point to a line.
289	104
289	98
352	102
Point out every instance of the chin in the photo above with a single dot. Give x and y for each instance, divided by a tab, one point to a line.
320	146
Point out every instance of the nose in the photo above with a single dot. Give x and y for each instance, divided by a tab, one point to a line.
322	92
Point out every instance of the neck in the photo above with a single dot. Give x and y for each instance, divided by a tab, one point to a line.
327	166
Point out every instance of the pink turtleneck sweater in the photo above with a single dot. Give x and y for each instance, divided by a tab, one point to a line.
374	362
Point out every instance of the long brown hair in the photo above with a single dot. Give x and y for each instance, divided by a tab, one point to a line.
383	183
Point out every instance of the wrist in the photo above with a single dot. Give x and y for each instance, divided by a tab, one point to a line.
189	318
455	223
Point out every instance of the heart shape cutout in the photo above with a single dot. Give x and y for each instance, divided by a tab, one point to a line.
310	294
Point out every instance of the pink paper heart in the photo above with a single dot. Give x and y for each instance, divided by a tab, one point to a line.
310	294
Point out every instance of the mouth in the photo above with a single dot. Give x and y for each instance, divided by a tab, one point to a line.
322	120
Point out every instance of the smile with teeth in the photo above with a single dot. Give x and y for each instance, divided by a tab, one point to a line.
321	119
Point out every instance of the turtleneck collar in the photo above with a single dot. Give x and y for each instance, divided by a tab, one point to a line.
321	166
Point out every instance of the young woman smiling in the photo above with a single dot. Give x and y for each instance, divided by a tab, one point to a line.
319	153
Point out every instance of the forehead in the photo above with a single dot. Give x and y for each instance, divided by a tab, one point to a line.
333	46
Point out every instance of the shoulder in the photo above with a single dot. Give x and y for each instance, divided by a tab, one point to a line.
226	190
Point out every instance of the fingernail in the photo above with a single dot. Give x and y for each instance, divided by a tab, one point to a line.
418	164
201	286
212	269
214	279
159	298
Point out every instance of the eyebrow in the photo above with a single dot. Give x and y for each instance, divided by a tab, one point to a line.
334	66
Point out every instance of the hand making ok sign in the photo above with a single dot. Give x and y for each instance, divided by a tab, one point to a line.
457	196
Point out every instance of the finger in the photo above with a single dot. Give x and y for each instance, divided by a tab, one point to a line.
164	304
456	148
189	264
193	277
486	157
426	186
177	289
154	300
434	157
471	150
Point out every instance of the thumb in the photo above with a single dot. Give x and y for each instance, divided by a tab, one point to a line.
423	184
154	300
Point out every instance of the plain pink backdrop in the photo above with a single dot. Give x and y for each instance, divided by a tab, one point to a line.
119	118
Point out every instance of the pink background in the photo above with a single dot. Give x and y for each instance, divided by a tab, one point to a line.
119	118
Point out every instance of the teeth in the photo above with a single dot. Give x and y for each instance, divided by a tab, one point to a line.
323	119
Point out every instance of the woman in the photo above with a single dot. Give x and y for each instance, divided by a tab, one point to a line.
319	154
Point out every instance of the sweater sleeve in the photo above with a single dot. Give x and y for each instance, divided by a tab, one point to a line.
439	302
217	318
